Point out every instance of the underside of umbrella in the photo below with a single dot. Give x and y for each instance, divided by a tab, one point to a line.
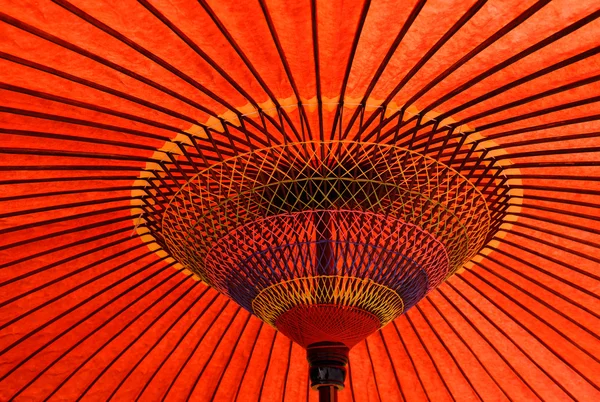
247	200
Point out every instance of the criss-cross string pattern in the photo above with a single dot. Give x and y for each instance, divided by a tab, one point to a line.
374	178
268	222
354	244
285	247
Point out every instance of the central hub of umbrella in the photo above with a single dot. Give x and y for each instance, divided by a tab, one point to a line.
329	241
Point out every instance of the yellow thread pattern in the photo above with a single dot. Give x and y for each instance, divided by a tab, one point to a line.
344	291
326	175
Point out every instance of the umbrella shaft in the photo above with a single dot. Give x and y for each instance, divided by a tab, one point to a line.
325	249
328	394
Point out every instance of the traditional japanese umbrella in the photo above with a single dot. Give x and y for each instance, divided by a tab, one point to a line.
207	200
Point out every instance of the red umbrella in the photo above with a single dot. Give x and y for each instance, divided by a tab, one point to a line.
195	194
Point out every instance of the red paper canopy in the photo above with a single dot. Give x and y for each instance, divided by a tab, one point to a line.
101	100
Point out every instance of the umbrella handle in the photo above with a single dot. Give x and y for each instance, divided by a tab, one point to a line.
327	368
